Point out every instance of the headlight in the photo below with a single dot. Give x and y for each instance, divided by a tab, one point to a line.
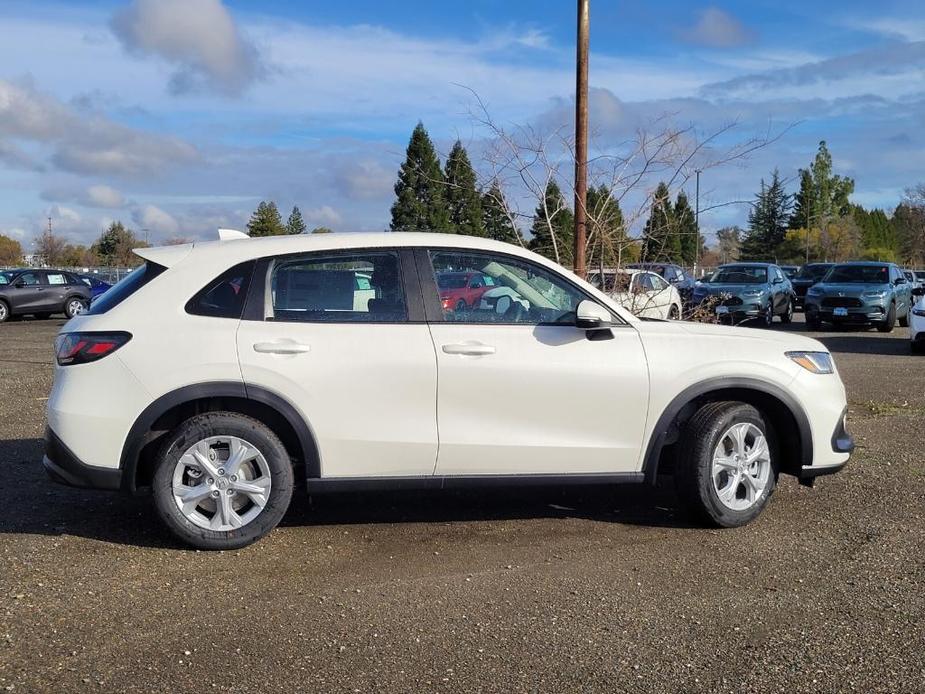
816	362
918	311
874	294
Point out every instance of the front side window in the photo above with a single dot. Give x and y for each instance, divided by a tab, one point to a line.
338	287
517	291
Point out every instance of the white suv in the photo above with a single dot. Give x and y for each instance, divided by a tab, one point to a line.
220	375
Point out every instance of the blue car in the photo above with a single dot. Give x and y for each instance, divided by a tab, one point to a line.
861	293
97	286
748	290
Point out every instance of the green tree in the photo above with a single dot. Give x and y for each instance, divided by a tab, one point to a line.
689	232
767	221
553	227
10	251
420	202
322	230
115	246
463	200
909	225
823	196
606	229
728	241
496	217
295	224
660	239
266	221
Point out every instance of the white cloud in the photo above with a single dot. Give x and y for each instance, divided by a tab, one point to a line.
323	216
104	196
88	143
198	37
155	220
717	29
100	196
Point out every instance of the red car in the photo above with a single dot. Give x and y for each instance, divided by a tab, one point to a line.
463	290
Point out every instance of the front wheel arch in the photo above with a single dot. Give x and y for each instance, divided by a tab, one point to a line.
785	416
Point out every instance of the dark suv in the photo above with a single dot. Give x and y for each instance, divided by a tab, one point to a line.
41	293
806	278
674	274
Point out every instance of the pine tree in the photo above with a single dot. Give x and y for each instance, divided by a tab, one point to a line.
266	221
823	196
688	231
553	227
463	200
295	224
767	221
495	218
661	242
420	203
607	238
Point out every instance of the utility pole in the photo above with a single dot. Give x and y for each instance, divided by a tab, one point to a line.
581	136
697	222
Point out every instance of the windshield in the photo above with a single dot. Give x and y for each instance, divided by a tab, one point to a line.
451	281
813	272
123	289
920	275
740	274
858	274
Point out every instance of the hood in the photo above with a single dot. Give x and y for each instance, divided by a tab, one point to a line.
733	289
787	340
852	289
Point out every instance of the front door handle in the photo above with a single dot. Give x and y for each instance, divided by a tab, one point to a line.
281	347
471	349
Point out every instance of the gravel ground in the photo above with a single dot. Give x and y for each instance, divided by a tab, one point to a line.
541	590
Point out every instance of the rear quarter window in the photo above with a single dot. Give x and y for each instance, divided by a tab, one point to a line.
224	297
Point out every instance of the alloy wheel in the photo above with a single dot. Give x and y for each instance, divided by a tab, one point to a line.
74	307
221	483
3	312
741	466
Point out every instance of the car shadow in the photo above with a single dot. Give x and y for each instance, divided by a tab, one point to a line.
34	505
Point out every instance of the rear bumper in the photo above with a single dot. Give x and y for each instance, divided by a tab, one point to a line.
66	468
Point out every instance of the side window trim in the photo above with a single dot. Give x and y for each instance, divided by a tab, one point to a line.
431	294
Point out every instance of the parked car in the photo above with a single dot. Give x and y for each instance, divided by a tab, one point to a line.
463	290
97	286
861	293
917	321
675	275
806	278
916	278
790	271
41	293
558	384
640	292
748	290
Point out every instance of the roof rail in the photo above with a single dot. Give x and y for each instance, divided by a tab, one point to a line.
231	235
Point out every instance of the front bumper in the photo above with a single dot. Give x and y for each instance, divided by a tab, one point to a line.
842	442
853	314
66	468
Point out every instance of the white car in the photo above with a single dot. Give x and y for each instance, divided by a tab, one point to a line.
235	371
642	293
917	320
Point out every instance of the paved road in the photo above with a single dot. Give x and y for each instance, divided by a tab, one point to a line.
578	590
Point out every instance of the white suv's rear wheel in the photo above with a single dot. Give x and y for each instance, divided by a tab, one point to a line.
726	470
222	481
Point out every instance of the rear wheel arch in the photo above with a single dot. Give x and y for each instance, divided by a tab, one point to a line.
789	423
167	412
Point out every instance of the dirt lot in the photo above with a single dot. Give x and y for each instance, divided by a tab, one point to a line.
582	590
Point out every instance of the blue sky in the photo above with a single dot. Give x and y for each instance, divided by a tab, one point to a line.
178	116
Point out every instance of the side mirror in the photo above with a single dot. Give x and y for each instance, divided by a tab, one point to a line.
900	280
778	280
590	315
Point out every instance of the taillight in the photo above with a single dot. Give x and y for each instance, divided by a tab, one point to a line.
80	348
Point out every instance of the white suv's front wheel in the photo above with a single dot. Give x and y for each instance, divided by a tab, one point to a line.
222	481
726	469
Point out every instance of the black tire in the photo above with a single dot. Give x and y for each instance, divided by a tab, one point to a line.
201	427
460	306
918	347
890	322
769	314
4	312
812	322
787	316
693	474
674	313
70	306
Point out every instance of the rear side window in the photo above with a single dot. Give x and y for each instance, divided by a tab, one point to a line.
122	290
56	278
223	297
339	288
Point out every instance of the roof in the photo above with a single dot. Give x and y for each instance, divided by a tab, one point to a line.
744	264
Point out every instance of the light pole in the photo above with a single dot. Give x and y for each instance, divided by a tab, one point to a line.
697	222
581	135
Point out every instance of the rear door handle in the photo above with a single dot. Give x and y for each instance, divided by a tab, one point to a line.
281	347
472	349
